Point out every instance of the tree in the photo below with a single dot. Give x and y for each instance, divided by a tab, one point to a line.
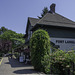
2	30
7	35
40	49
10	36
17	42
44	11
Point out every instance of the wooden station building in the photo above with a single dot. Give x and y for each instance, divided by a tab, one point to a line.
61	29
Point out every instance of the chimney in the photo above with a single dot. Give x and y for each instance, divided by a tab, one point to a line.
52	8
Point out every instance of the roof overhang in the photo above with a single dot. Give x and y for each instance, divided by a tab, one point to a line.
53	25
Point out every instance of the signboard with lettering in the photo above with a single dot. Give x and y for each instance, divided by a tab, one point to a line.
64	43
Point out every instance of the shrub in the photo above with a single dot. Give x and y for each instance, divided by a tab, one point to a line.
40	50
62	63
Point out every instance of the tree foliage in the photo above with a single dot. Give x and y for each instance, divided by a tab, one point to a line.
44	11
2	30
40	49
9	35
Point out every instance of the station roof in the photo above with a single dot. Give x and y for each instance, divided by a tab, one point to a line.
52	20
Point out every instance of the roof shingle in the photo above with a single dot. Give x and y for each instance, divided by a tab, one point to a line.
52	20
33	21
56	20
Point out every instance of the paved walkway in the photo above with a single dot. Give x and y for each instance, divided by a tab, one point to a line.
13	67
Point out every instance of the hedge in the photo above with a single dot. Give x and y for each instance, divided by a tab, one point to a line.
40	50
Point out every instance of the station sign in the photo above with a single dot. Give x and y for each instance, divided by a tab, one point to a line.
64	43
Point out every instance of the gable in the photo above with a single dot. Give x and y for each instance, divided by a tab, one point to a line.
33	21
30	23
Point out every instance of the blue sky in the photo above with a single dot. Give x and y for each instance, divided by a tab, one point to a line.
14	13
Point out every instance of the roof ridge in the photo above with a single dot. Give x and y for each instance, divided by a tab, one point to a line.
33	18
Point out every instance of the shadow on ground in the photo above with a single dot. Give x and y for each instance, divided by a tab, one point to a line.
15	63
25	71
21	68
